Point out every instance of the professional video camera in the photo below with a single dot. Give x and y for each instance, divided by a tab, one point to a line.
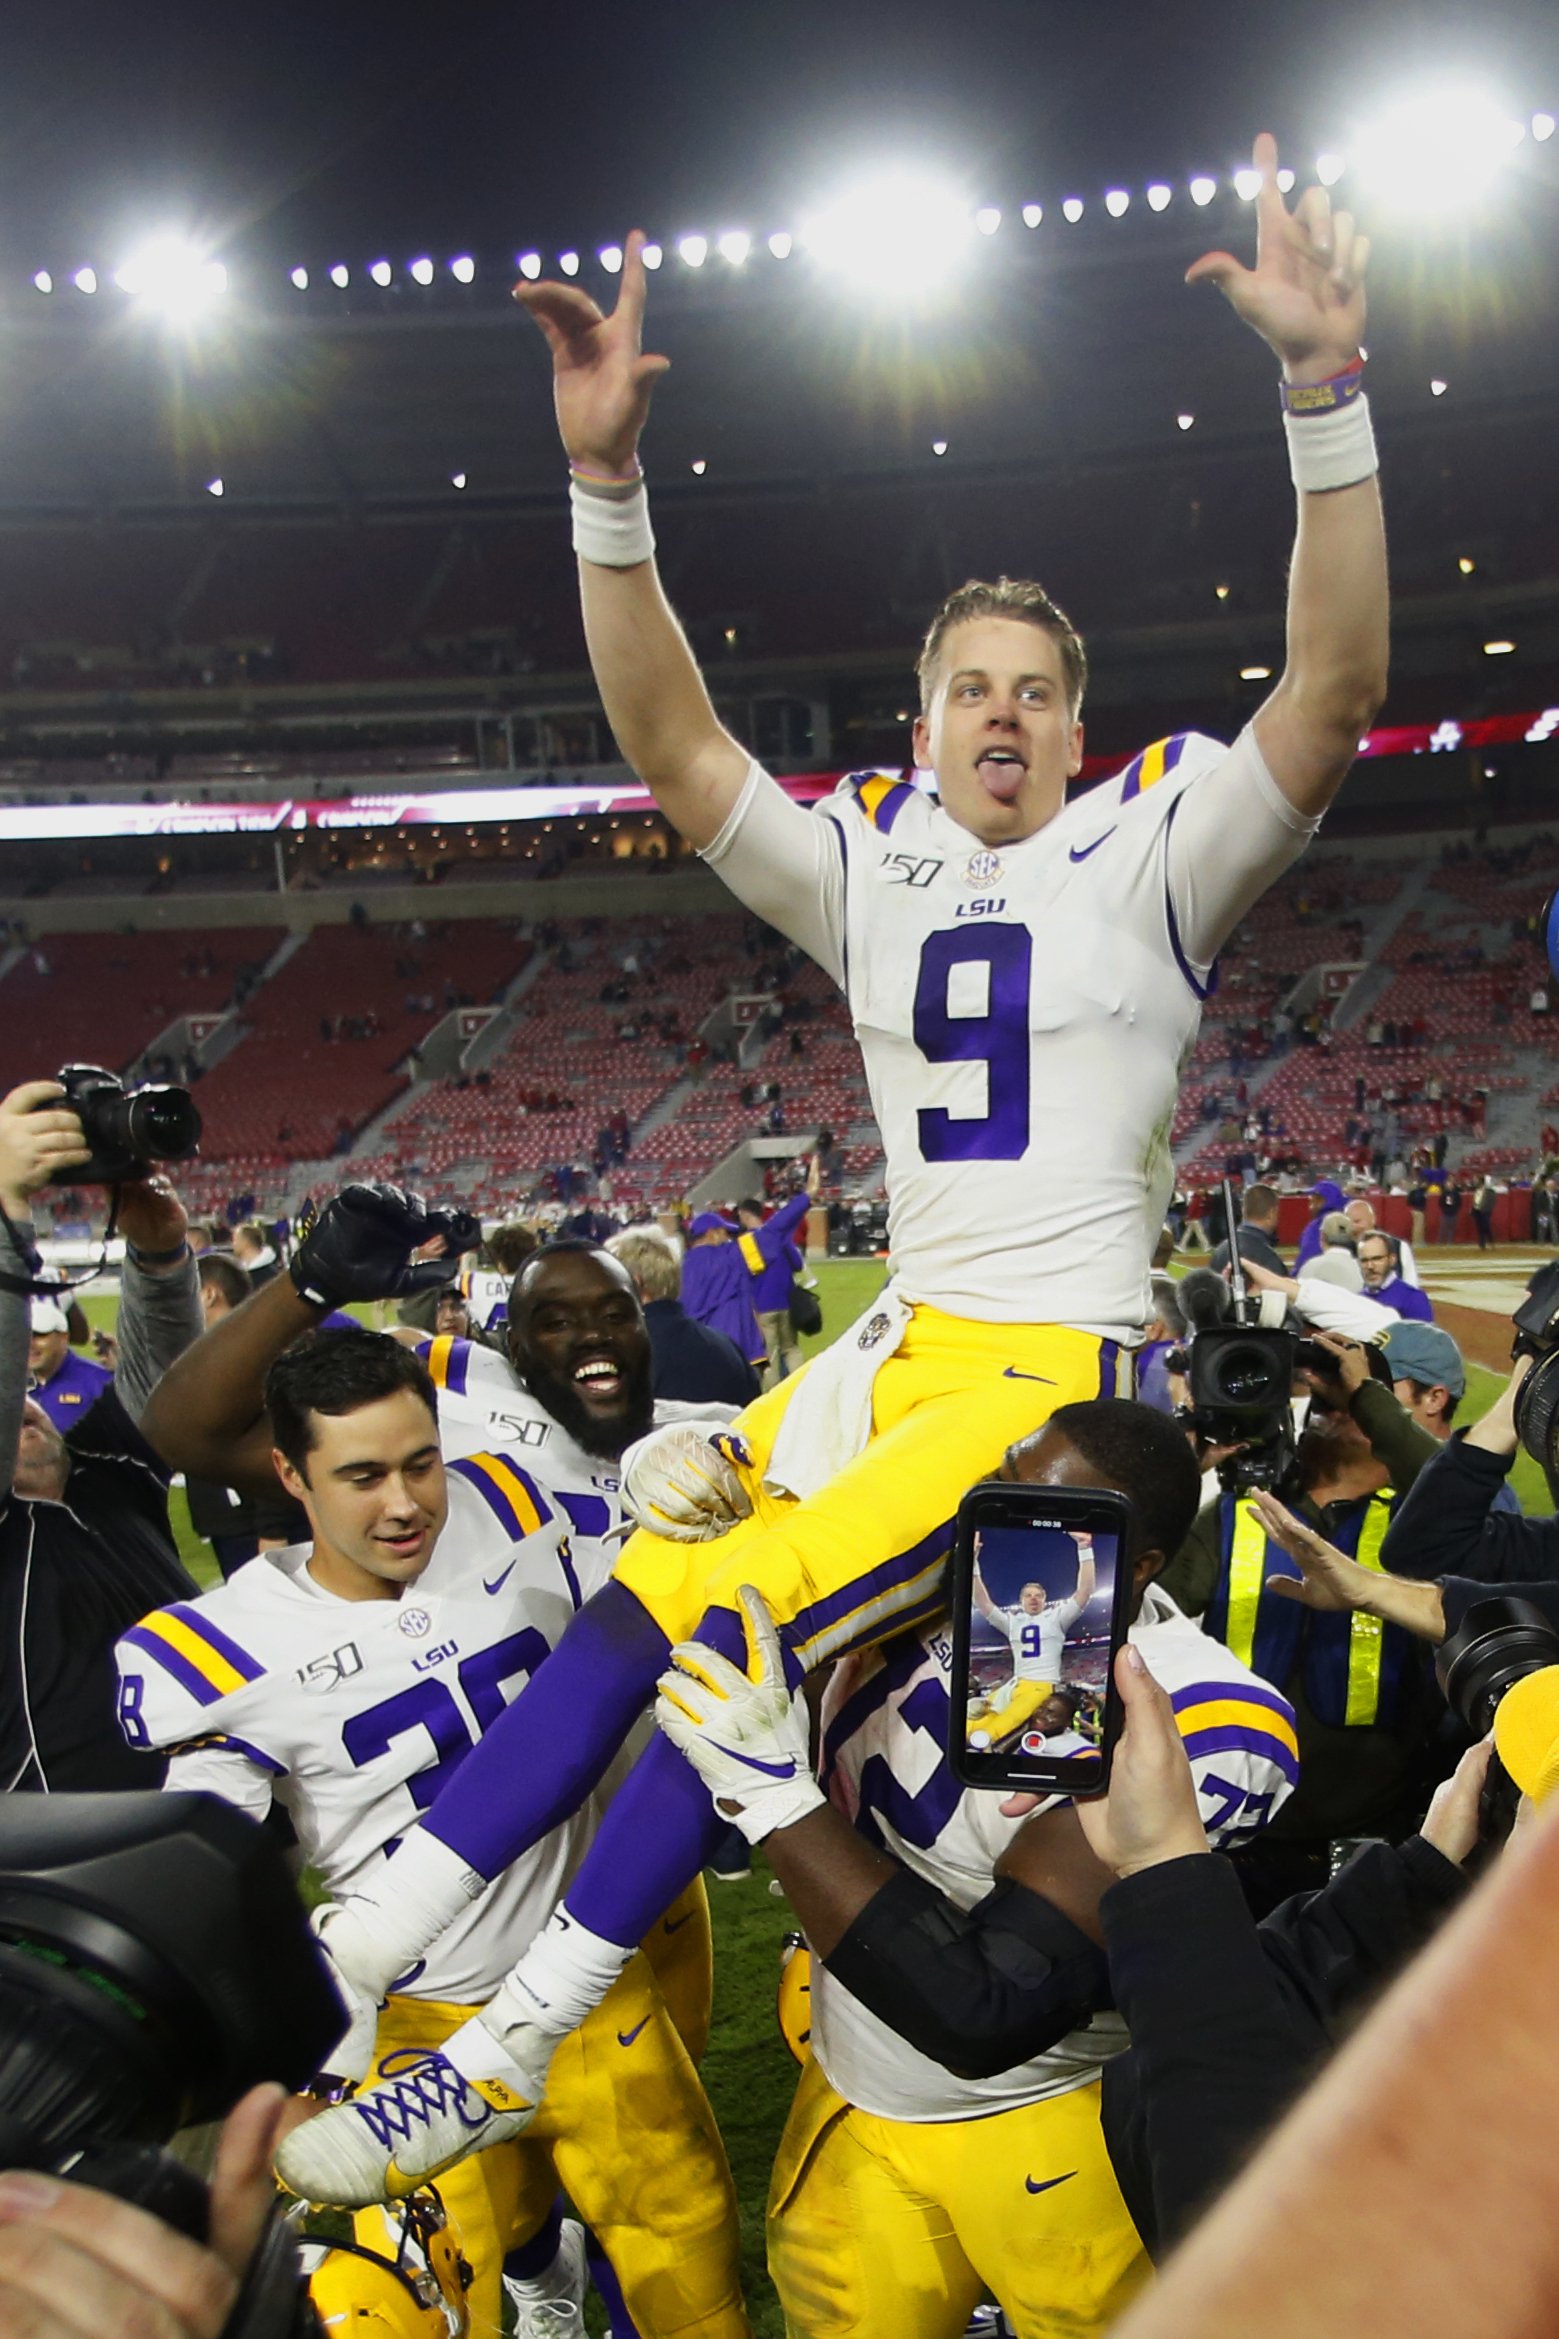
127	1128
1240	1361
155	1963
1537	1399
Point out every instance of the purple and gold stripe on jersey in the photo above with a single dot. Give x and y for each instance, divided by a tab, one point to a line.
510	1493
880	796
752	1254
907	1589
1147	769
195	1651
1245	1717
448	1359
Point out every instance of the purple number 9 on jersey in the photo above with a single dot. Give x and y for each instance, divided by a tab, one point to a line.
998	1038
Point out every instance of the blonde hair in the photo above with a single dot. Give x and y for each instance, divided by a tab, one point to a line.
1015	597
650	1260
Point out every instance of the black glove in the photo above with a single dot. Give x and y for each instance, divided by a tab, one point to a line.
360	1246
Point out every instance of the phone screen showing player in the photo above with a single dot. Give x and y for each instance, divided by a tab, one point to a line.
1041	1604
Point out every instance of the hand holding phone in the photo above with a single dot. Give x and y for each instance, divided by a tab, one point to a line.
1042	1594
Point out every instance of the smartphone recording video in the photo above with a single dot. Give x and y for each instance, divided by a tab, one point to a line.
1042	1597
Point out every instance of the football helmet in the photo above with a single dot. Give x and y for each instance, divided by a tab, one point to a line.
414	2288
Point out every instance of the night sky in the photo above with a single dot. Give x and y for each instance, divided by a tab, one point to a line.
305	132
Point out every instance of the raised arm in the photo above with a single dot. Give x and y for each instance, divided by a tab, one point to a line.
982	1599
1087	1574
207	1415
1305	297
653	693
159	1307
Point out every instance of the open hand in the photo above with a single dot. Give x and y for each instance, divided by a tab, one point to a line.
601	380
1305	295
1329	1579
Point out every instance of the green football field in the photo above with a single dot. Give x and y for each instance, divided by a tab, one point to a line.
748	2071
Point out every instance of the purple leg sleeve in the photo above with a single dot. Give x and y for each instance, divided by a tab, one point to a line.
536	2255
659	1830
543	1755
610	2289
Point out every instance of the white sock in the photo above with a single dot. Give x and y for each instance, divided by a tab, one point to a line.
376	1934
562	1977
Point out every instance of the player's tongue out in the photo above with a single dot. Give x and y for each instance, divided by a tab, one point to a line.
1001	772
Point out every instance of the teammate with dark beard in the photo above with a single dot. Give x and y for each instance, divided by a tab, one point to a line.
577	1339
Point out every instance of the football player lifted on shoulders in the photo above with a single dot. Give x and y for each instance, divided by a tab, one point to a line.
1026	977
347	1679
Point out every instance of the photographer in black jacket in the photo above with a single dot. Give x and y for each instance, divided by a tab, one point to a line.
1445	1525
85	1544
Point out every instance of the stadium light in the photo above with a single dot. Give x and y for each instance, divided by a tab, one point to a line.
1255	674
1466	565
43	281
1285	182
1184	421
1222	592
85	280
1033	213
893	232
693	250
1117	202
781	245
1072	209
1437	388
611	258
299	279
987	219
569	263
1247	185
463	270
530	266
341	276
1159	196
1202	191
381	272
652	255
457	479
215	487
173	276
734	246
939	446
1498	649
700	466
421	271
1329	168
1542	127
1437	150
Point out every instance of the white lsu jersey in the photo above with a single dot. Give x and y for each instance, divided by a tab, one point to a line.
1024	1012
886	1718
353	1714
1038	1642
483	1404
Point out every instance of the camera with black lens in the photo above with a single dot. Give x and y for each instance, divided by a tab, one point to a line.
128	1129
1498	1643
1536	1323
155	1964
1240	1379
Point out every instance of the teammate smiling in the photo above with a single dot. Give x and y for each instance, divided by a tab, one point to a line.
1026	979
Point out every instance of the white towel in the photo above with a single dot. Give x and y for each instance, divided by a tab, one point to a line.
829	1419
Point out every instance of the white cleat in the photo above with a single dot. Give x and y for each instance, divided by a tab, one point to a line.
417	2120
558	2312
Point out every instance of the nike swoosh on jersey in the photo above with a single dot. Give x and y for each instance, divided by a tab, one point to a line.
498	1582
675	1924
625	2038
1012	1374
1081	852
1046	2183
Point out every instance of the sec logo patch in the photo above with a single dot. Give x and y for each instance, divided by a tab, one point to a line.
415	1623
982	868
876	1328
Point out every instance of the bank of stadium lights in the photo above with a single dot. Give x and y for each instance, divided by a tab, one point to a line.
463	269
341	276
1202	191
43	281
1437	149
893	232
172	277
987	219
569	263
85	280
529	265
1072	209
381	273
781	245
611	258
1032	214
1117	202
420	270
299	280
1159	196
734	246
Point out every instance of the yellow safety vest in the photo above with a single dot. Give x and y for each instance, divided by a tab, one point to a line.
1247	1579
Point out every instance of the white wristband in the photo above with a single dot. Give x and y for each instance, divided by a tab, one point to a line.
610	528
1331	450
